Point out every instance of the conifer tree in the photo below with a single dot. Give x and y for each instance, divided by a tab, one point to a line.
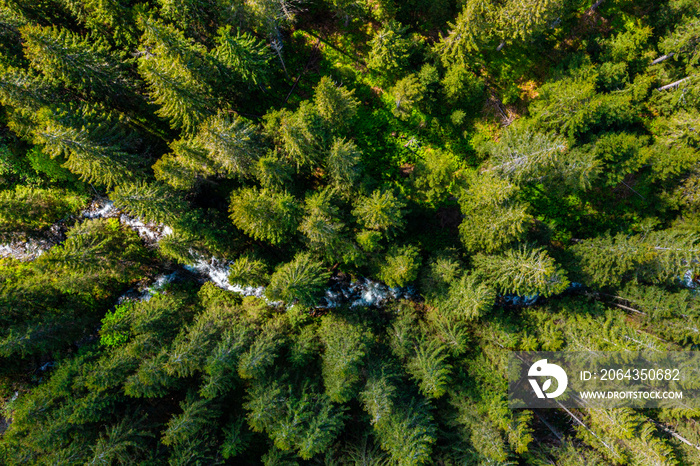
521	20
522	272
175	71
322	226
273	171
335	104
86	65
405	95
306	422
152	203
658	257
303	135
471	30
390	48
264	214
301	280
382	211
342	165
493	217
27	210
196	416
260	356
98	151
400	266
248	271
522	156
241	57
114	20
230	143
345	346
429	367
466	298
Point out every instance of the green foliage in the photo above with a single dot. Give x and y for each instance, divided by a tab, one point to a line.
390	48
493	217
400	266
462	88
511	144
522	272
264	214
656	257
302	279
114	331
247	271
342	164
302	420
382	211
155	203
242	57
84	64
335	105
29	210
345	346
429	368
405	94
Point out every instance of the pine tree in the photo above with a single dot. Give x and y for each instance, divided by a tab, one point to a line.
400	266
335	104
306	422
466	298
523	272
221	364
522	156
435	176
493	217
241	57
657	257
382	211
121	443
175	71
273	171
230	143
302	279
390	48
523	19
462	87
95	250
345	346
98	152
472	29
405	95
86	65
114	20
322	226
264	214
196	417
408	433
343	165
429	367
255	362
248	271
186	166
27	210
152	203
303	135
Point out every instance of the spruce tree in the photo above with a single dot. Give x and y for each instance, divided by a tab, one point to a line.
264	214
522	272
301	280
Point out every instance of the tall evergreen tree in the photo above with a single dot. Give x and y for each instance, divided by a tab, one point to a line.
264	214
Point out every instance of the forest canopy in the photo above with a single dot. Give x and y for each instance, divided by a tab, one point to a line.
290	232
